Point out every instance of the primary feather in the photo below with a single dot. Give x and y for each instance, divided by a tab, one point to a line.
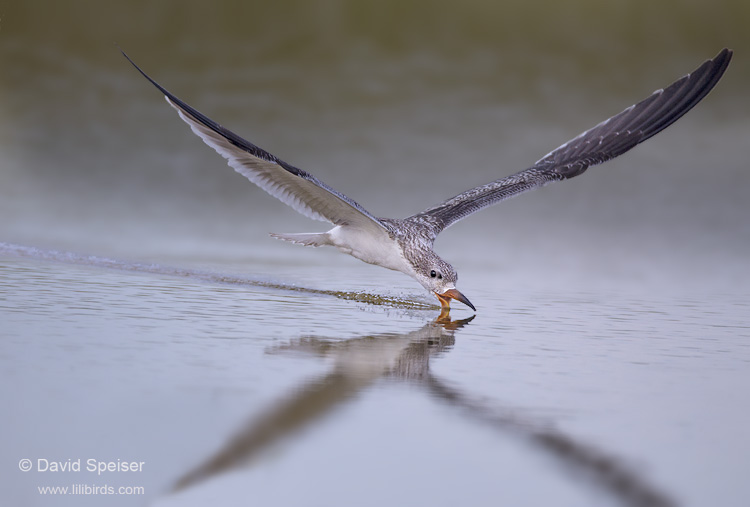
605	141
297	188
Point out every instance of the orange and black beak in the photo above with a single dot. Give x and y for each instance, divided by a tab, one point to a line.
445	299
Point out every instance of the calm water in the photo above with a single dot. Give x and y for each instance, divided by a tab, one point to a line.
237	391
146	316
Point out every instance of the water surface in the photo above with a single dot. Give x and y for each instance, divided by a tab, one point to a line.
146	315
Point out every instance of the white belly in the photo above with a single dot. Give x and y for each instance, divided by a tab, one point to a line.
380	250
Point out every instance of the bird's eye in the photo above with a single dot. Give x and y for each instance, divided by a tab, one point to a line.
433	274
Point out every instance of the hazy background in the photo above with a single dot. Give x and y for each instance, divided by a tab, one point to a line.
397	104
608	363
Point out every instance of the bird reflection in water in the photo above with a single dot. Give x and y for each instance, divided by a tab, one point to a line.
360	362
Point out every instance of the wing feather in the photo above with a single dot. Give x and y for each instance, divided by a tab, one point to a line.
292	186
605	141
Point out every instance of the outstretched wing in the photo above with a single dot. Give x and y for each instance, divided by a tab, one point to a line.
295	187
609	139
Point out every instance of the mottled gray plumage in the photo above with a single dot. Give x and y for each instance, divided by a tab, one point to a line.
406	244
607	140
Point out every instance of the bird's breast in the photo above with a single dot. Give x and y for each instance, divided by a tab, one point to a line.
380	249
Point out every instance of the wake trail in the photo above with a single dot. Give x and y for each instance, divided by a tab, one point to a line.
8	249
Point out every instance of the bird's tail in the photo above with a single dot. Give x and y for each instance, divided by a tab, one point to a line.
306	238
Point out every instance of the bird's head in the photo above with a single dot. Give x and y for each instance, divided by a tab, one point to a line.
440	278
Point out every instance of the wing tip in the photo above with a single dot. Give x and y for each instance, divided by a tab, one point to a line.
149	78
724	54
722	61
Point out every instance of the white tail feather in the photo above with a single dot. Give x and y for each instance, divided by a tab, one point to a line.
306	238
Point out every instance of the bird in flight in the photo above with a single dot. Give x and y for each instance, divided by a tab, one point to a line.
405	244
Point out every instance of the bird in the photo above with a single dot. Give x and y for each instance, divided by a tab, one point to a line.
406	244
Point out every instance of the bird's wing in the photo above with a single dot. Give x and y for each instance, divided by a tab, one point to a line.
295	187
609	139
